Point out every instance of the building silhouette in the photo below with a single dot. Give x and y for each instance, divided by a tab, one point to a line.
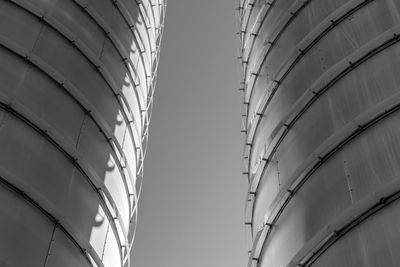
321	116
76	84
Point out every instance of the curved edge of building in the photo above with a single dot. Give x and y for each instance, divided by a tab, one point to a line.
76	92
321	102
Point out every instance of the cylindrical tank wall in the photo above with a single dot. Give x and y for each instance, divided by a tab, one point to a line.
76	86
321	101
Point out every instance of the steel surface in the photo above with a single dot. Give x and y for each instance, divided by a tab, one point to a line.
321	118
76	92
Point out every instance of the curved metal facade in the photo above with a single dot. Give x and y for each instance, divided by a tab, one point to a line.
76	87
321	116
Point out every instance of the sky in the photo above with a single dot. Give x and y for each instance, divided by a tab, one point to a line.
191	209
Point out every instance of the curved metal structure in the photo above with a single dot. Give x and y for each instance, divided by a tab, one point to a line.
77	81
321	117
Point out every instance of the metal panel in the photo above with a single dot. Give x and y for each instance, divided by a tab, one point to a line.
76	86
374	243
18	33
99	231
25	229
268	189
316	203
33	92
111	251
53	176
322	99
72	17
109	14
95	148
76	69
63	252
13	72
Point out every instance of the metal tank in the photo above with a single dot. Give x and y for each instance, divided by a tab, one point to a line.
76	84
322	123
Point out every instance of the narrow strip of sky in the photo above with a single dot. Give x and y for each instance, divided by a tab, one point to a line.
191	206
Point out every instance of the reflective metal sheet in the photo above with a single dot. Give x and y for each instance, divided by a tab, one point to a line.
317	79
64	253
75	80
25	229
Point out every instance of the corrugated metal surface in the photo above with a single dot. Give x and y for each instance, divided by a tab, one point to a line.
77	81
321	99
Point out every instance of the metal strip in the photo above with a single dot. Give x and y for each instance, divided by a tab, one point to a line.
150	4
144	136
132	228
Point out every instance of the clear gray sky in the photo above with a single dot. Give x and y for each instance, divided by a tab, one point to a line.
192	203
